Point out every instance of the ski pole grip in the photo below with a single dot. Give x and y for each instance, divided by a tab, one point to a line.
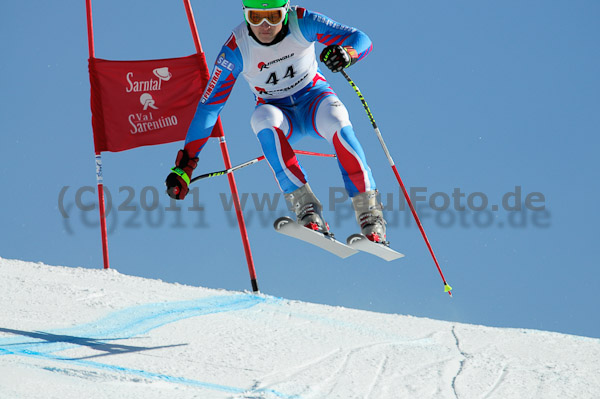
181	173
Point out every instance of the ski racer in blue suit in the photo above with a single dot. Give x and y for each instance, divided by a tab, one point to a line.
274	49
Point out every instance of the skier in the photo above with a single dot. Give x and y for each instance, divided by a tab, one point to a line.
274	50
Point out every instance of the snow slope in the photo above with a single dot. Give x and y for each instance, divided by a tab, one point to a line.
80	333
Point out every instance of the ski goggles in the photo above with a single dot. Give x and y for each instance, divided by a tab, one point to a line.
273	16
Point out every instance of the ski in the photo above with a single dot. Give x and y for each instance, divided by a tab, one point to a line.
362	243
289	227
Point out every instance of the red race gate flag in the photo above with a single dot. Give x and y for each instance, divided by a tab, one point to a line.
139	103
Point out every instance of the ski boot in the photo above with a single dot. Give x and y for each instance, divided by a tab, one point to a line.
308	209
369	215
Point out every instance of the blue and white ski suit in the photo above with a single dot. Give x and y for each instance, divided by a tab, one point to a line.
293	97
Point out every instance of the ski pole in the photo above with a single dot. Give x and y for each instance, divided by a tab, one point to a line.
252	162
227	171
447	287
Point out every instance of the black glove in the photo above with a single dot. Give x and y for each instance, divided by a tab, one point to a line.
178	180
336	57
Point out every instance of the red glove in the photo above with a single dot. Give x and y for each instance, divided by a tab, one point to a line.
178	180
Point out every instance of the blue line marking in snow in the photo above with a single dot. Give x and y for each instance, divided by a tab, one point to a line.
139	320
132	322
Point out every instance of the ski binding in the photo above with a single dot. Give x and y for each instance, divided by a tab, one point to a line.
289	227
362	243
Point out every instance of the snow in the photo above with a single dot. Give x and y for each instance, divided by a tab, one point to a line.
81	333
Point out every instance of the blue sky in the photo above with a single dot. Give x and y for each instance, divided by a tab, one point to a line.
479	96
